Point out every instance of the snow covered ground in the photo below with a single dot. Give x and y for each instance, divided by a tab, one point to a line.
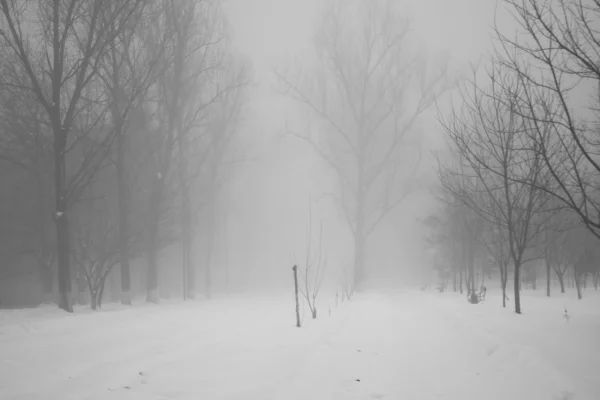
410	345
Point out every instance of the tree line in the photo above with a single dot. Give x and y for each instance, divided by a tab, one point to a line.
118	127
520	179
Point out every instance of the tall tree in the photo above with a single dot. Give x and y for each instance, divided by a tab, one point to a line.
555	57
185	91
493	142
127	71
366	94
60	60
223	150
26	146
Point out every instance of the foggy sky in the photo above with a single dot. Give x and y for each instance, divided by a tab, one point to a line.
271	33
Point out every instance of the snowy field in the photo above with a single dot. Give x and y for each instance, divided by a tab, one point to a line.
410	345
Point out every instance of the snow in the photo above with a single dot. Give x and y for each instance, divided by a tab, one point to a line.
392	345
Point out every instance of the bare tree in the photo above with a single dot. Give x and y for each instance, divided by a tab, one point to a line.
358	94
495	145
453	236
314	268
201	90
495	239
223	152
184	92
60	59
556	57
95	249
463	193
127	71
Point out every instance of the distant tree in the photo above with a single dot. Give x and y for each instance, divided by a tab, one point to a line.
365	96
223	152
127	71
467	225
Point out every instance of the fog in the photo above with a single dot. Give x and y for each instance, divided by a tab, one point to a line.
262	208
299	199
274	34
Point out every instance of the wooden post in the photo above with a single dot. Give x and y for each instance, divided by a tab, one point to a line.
295	269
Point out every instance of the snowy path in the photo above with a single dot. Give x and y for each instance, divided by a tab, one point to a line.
398	346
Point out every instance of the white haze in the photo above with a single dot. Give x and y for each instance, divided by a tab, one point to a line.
272	194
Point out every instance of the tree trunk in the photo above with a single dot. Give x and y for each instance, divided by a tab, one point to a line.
154	217
295	269
62	227
123	210
503	281
314	313
561	281
187	231
359	240
210	241
82	287
454	280
60	133
47	280
471	270
100	291
577	279
460	280
44	260
94	300
224	258
152	252
548	278
360	227
186	224
152	264
517	287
